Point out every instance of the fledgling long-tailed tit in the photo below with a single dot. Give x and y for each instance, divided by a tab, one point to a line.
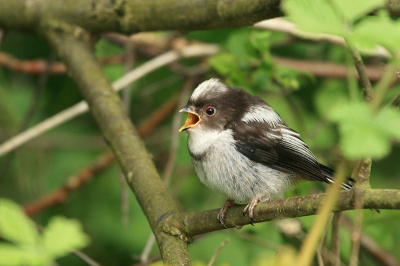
242	148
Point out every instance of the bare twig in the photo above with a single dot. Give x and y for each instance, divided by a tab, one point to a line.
335	240
82	107
42	82
144	257
217	252
85	258
322	250
393	100
368	93
126	99
105	160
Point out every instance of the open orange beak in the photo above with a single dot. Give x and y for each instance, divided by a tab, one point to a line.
192	120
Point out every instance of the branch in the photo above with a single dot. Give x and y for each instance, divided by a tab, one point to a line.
317	68
196	223
108	111
132	16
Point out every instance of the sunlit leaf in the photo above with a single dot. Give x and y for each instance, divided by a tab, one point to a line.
364	134
355	9
62	235
314	16
11	255
360	140
388	120
223	63
15	226
377	30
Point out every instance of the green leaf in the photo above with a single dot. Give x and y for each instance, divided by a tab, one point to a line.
388	120
360	140
223	63
314	16
11	255
355	9
62	235
260	40
332	94
15	226
363	134
377	30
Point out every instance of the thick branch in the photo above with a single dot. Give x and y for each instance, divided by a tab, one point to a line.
131	16
120	134
196	223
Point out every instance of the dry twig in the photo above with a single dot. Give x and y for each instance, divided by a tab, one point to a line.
217	252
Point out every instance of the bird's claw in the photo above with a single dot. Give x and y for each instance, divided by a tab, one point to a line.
251	221
221	219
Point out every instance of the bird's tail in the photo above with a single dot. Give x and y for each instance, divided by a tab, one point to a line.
328	173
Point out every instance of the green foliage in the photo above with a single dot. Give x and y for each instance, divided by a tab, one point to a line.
14	225
338	16
364	134
248	63
375	30
27	246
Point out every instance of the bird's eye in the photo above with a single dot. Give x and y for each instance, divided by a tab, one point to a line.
210	111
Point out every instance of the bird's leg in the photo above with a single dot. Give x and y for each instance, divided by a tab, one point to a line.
221	215
250	207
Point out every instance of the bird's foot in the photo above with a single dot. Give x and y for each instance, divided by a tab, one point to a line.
250	208
221	215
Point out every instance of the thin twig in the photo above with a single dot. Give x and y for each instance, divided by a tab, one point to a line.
126	100
335	240
217	252
322	250
144	257
82	107
392	101
42	82
317	68
85	258
104	161
368	93
1	36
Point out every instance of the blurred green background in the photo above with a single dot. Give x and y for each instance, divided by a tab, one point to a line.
302	100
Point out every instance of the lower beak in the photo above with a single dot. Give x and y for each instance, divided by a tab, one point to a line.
192	120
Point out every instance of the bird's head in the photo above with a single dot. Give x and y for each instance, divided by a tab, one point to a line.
214	106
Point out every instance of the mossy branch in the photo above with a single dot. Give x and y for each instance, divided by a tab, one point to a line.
108	111
130	16
196	223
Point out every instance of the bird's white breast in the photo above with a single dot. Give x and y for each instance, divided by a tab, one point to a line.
220	166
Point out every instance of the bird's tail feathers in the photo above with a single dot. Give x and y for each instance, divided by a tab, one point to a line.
328	174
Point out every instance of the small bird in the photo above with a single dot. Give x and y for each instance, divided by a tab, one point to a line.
242	148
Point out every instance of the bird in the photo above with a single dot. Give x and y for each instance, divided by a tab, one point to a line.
241	147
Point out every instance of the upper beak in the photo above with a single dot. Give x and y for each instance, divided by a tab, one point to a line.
192	120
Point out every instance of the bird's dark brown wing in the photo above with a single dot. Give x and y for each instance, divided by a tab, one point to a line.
279	148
